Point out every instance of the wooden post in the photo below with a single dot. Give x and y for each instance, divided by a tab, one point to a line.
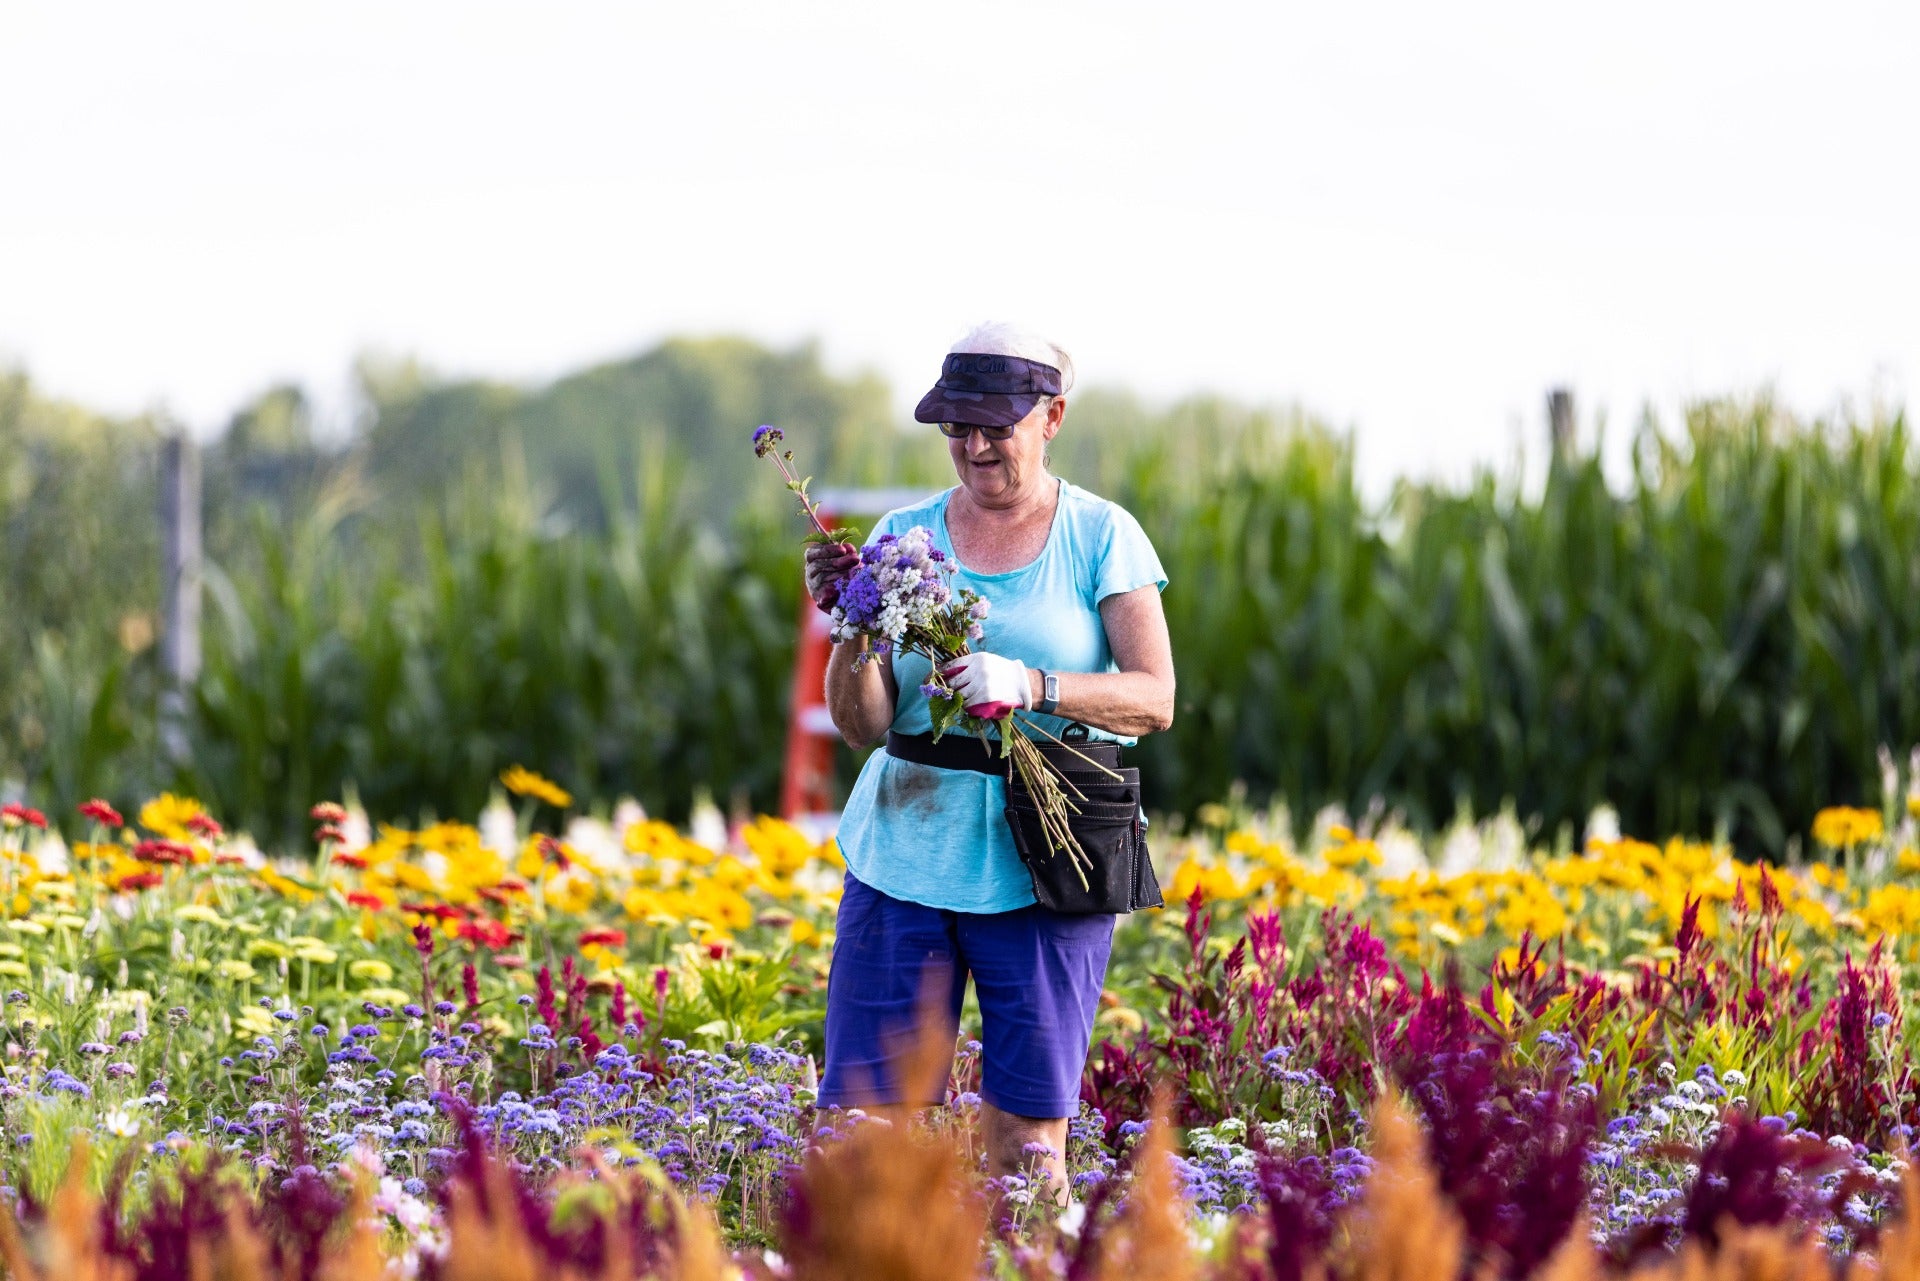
180	583
1560	422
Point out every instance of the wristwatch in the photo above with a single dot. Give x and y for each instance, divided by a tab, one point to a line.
1049	692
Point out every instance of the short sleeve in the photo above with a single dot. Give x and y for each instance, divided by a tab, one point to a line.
1128	560
891	523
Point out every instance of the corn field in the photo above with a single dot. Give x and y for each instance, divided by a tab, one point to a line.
1722	642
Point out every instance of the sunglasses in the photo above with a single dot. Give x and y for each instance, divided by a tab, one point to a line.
960	431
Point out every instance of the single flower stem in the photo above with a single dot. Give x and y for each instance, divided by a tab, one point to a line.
793	483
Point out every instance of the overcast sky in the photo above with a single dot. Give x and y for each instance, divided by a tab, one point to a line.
1411	218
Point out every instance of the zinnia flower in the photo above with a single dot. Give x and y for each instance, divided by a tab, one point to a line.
1841	826
163	851
361	898
603	937
487	932
102	813
524	782
14	814
328	812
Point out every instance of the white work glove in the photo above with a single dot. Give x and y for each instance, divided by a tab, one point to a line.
989	686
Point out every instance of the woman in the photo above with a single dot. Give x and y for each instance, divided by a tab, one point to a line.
934	885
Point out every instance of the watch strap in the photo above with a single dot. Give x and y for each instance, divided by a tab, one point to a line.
1049	692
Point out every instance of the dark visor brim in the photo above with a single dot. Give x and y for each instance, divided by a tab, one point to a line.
982	409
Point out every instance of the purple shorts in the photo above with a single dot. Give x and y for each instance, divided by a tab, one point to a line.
1037	974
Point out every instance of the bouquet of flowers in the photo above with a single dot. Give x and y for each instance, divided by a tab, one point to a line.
902	598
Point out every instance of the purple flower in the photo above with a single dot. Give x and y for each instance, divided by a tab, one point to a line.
765	438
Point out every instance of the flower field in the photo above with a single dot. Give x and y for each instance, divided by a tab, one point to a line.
548	1042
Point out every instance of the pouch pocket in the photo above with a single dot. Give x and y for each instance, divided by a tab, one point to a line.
1107	825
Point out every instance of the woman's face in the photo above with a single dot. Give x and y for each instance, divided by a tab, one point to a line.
996	472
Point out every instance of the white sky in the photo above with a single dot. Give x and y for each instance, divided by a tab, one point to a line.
1412	218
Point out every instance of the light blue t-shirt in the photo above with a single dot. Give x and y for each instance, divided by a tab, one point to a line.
939	836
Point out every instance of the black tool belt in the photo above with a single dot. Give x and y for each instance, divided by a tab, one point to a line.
1107	824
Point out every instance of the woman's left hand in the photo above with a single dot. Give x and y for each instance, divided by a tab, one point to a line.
990	686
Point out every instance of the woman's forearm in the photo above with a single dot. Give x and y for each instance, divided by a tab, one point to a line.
1125	703
860	702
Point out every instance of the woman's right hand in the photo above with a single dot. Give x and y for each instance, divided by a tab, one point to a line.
828	566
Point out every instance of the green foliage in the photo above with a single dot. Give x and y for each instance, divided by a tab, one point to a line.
1724	645
651	660
598	579
742	1000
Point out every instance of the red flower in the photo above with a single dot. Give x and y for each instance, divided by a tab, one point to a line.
423	940
230	860
102	813
350	860
331	832
487	932
470	984
328	812
716	951
163	851
438	911
204	825
360	898
501	893
133	881
13	814
603	937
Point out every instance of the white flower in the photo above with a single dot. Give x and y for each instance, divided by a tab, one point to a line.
120	1123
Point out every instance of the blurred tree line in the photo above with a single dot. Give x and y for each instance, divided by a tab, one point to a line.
596	578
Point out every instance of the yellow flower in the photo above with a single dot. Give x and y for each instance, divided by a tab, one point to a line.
253	1021
237	970
166	815
1892	910
524	782
284	885
1351	853
1841	826
1212	814
378	971
198	912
